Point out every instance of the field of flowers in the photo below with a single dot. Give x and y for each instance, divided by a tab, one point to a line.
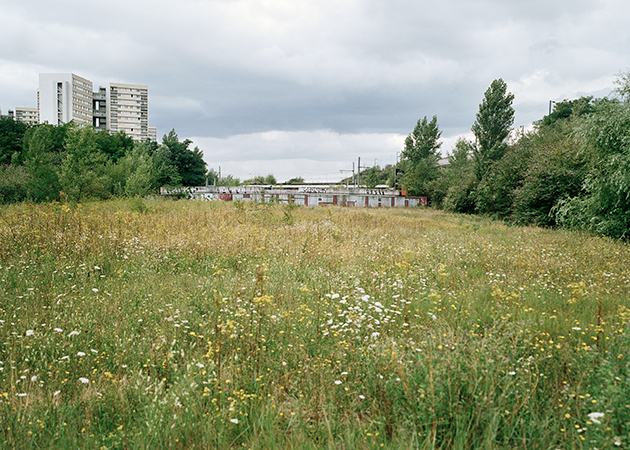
161	324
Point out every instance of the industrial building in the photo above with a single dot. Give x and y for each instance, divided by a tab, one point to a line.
306	195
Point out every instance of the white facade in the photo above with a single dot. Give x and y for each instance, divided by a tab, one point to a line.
128	110
27	115
152	134
64	97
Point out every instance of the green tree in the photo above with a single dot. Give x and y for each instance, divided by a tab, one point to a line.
492	127
11	135
371	177
420	156
41	161
114	146
83	169
189	163
167	174
136	174
567	109
604	205
461	180
142	178
423	142
417	178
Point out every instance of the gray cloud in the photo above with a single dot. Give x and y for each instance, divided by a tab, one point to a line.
229	71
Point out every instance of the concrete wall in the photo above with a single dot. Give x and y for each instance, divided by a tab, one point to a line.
370	198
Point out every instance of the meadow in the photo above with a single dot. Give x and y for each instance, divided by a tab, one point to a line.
176	324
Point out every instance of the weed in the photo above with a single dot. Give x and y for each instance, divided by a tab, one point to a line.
225	325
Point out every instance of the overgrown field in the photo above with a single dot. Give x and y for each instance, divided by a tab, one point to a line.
218	325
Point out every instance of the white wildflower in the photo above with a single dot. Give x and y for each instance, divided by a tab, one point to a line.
595	416
234	420
84	380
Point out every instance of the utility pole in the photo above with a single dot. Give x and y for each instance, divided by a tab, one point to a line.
347	170
359	167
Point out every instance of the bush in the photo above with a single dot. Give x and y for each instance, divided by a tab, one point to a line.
494	195
14	181
604	208
461	197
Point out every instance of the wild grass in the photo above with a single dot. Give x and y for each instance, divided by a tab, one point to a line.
135	324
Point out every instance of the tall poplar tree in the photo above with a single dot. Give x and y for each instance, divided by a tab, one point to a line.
492	127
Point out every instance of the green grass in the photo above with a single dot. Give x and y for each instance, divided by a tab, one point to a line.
218	325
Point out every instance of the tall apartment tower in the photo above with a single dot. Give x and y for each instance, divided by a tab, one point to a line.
128	110
64	97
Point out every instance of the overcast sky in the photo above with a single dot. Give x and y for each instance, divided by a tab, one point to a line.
304	87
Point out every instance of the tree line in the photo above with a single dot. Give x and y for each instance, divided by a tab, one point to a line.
571	170
46	162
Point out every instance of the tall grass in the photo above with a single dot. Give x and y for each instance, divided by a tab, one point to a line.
135	324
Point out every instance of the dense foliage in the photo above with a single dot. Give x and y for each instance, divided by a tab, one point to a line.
45	162
571	170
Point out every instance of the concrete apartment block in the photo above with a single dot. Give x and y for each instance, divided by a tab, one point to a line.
27	115
64	97
128	110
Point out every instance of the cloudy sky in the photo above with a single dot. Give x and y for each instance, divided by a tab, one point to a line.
305	87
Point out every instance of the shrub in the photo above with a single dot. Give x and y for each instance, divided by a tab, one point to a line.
14	182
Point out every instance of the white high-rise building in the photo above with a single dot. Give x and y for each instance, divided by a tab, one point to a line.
128	110
64	97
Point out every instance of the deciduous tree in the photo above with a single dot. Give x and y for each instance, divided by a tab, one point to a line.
423	141
189	163
492	127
